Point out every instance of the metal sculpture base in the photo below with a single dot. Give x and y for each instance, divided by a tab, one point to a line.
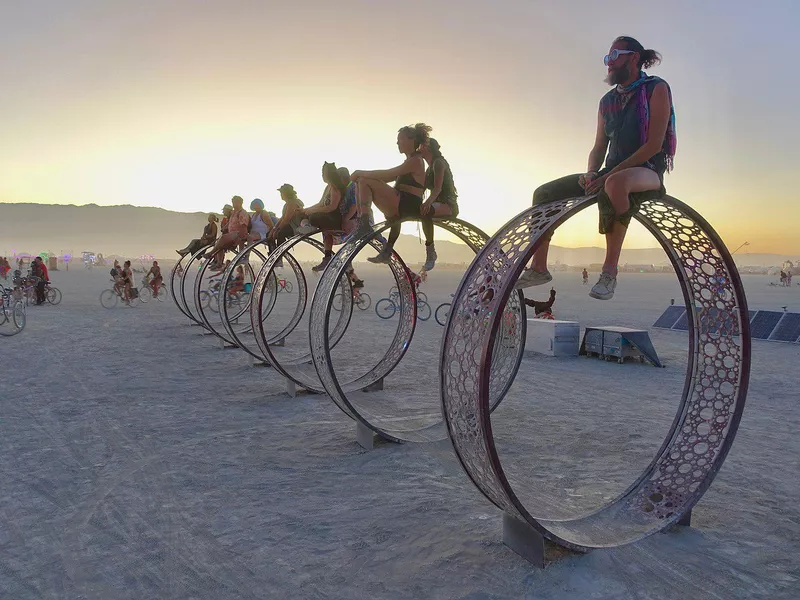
366	437
252	361
292	389
685	521
374	387
223	344
530	544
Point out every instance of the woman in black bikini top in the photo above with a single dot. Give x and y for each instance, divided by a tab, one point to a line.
405	198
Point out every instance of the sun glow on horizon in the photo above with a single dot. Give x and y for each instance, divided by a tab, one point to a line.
178	113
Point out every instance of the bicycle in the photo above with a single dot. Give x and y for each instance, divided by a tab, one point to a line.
146	292
12	313
110	297
361	299
443	312
385	308
285	286
210	298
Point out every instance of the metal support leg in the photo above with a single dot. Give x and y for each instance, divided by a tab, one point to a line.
374	387
365	436
524	540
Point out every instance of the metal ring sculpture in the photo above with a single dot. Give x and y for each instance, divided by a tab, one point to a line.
295	368
222	326
713	397
180	296
229	318
509	350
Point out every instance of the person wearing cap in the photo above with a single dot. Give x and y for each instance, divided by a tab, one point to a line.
209	235
291	217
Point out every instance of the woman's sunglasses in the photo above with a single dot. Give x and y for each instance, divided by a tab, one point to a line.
615	55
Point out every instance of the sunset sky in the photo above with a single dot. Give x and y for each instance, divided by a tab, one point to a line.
183	103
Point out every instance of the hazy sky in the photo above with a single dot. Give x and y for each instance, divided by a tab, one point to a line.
183	103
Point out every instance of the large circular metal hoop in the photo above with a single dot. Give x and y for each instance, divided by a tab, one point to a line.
219	328
241	338
175	276
509	349
714	393
180	297
294	368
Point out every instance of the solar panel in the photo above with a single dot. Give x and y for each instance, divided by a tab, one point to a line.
713	320
788	330
669	317
751	314
682	324
763	323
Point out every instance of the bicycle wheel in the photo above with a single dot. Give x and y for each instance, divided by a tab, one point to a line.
338	299
442	313
422	296
108	298
145	294
53	295
163	293
19	316
423	310
205	299
289	287
364	301
385	308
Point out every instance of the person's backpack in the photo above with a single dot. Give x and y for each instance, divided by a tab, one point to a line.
114	273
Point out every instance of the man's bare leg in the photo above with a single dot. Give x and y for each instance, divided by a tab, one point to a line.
618	187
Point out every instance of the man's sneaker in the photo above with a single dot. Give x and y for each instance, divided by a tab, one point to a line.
321	266
306	227
604	288
430	258
530	278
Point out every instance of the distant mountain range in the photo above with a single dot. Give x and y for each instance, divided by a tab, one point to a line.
133	231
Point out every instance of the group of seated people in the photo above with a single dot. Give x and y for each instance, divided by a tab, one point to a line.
345	208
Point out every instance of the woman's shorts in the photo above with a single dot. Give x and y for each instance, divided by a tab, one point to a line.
409	205
329	221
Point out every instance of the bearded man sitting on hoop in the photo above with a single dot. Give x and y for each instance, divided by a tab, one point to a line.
636	137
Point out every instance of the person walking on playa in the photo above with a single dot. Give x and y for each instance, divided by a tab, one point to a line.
636	138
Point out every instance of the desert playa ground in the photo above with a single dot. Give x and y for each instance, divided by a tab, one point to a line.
140	460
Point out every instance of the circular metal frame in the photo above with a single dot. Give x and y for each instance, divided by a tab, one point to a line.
240	338
224	318
180	297
714	393
509	350
292	368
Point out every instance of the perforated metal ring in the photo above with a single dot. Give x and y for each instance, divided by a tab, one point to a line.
708	413
511	337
